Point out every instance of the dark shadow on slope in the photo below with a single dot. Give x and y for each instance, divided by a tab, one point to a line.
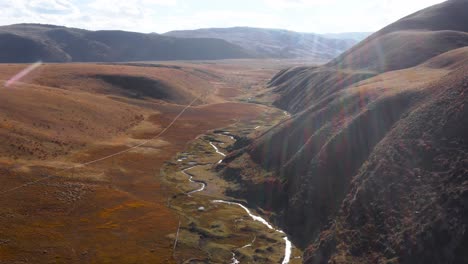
139	87
321	152
408	203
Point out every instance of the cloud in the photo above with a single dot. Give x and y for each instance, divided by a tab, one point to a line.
296	3
38	11
117	9
321	16
223	18
161	2
57	7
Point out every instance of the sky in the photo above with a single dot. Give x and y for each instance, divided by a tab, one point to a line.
318	16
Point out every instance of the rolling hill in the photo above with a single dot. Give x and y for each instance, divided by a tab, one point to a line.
403	44
411	40
64	114
276	43
33	42
372	166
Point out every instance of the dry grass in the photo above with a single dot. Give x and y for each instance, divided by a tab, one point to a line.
115	210
383	157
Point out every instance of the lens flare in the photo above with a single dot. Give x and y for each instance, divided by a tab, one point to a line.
23	73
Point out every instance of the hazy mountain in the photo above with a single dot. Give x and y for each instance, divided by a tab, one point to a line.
32	42
358	36
275	43
373	163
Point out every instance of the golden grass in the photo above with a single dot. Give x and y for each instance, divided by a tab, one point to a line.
114	211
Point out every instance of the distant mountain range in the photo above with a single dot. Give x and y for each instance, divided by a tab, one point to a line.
50	43
278	43
358	36
32	42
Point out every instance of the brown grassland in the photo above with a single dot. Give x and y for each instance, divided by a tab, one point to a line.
115	210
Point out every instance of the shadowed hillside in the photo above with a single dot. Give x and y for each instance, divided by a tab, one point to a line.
141	87
33	42
407	202
372	166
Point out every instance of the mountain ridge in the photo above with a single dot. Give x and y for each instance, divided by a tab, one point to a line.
278	43
50	43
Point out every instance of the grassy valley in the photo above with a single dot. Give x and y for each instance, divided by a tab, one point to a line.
233	145
62	116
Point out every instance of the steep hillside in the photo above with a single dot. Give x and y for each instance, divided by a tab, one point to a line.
33	42
371	168
302	87
411	40
405	43
274	43
324	146
325	149
408	201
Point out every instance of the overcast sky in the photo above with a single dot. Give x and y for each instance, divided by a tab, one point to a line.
320	16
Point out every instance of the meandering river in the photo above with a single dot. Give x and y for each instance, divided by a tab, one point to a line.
288	244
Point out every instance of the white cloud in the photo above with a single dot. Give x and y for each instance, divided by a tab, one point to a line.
321	16
222	18
38	11
160	2
118	9
296	3
137	15
58	7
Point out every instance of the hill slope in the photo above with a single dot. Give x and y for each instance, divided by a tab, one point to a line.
62	115
33	42
405	43
407	202
372	166
411	40
274	43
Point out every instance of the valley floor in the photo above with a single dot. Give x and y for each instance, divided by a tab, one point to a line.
114	210
214	226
